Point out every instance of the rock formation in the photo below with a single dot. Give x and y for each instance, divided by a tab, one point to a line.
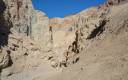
70	32
115	2
31	43
24	32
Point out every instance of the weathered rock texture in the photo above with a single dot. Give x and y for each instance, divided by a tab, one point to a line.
72	33
40	30
5	26
115	2
106	57
34	47
24	36
19	12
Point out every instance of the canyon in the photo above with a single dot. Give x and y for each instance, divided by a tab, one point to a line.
89	45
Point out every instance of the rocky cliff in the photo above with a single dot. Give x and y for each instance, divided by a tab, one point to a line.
23	31
34	47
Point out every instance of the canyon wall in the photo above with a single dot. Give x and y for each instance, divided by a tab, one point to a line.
23	31
29	39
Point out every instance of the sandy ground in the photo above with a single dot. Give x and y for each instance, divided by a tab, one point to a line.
42	72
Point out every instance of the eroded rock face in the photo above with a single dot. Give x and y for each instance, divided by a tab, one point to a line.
40	30
58	39
28	38
115	2
22	37
5	26
106	57
20	12
4	59
73	33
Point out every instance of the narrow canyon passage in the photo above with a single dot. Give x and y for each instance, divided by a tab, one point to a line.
89	45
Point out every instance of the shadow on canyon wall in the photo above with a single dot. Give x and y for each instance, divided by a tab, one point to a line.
5	25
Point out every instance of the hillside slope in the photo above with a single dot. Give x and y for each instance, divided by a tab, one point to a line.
89	45
107	57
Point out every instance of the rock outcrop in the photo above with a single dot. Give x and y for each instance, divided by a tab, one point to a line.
31	43
72	33
40	30
5	26
19	12
115	2
24	32
106	56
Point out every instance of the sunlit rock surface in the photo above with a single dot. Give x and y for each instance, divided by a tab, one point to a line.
91	45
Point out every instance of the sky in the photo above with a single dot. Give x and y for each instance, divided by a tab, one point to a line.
61	8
